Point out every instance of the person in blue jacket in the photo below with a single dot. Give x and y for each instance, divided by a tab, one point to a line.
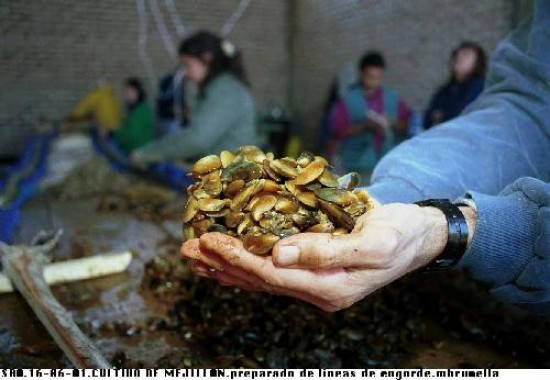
495	158
467	78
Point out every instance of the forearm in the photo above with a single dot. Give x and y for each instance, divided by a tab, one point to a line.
174	146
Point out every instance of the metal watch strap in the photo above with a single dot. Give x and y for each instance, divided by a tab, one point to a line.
457	241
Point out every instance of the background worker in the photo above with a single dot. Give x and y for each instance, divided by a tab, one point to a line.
223	117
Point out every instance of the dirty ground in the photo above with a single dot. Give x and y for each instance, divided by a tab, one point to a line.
159	315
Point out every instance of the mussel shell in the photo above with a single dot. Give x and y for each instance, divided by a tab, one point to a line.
246	223
305	219
322	159
285	232
217	214
307	197
233	188
201	194
242	198
191	188
226	158
287	205
321	228
290	185
252	153
328	179
265	199
305	158
212	205
349	181
310	173
271	186
206	165
260	244
337	215
339	196
314	186
232	219
190	210
263	204
365	197
241	169
201	227
270	172
212	184
257	230
356	209
284	168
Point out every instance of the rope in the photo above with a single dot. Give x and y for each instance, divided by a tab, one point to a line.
162	29
230	23
181	30
175	17
142	42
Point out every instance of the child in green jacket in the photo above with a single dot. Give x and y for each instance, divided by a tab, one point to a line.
138	126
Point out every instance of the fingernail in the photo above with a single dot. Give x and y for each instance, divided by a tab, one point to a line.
288	255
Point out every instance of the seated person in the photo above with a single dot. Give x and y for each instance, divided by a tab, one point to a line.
468	66
99	107
369	119
223	117
138	127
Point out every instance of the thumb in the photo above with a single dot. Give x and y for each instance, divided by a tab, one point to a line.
319	251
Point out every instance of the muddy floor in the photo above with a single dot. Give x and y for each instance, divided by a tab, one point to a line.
158	314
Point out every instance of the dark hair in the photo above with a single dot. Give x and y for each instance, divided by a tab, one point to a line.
203	42
136	84
481	59
372	59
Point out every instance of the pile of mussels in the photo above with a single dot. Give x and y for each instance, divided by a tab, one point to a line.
259	199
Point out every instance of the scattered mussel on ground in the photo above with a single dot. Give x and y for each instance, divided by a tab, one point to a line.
260	199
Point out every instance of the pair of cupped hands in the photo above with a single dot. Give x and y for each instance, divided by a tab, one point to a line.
331	272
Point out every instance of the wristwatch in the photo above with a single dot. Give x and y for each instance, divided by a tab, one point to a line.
457	241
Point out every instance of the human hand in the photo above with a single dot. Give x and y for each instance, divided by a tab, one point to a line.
331	272
385	122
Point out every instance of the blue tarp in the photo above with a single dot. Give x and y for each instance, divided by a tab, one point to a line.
170	174
166	172
26	187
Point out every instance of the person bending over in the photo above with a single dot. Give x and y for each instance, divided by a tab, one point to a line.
222	118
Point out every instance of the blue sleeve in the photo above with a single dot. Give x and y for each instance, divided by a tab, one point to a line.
510	251
502	141
209	124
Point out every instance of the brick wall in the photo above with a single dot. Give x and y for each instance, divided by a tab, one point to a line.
416	37
53	51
